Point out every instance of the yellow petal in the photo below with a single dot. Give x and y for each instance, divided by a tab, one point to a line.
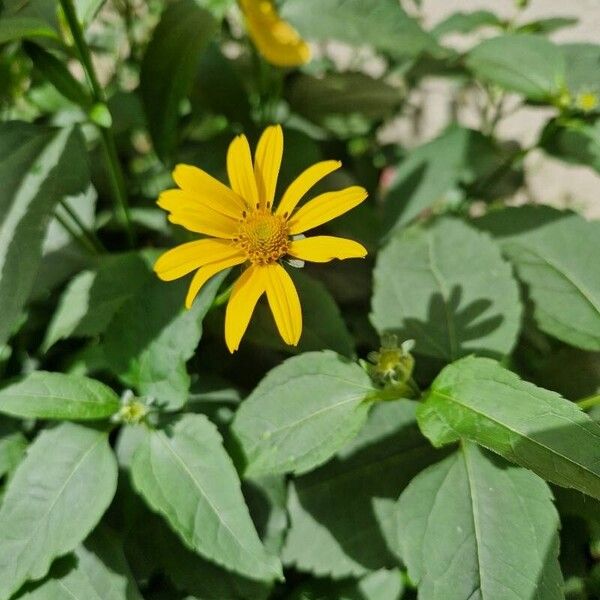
276	40
326	207
245	294
186	258
240	171
204	188
267	162
198	218
323	248
205	273
304	182
284	302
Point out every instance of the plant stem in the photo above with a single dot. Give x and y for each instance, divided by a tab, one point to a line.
589	402
115	171
88	233
82	240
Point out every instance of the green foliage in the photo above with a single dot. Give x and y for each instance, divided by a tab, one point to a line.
435	432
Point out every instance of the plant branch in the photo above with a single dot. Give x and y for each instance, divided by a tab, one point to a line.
115	171
589	402
82	240
88	233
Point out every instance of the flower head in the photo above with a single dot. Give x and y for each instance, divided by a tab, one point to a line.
245	228
587	101
277	41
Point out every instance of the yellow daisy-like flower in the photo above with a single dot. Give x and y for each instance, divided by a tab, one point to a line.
276	40
245	228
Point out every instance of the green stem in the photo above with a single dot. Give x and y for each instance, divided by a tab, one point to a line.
89	234
80	239
115	171
589	402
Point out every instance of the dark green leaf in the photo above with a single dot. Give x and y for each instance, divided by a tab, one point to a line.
328	539
44	395
17	28
301	413
55	498
12	446
472	526
551	251
382	24
477	399
188	477
547	26
169	68
428	288
528	64
38	167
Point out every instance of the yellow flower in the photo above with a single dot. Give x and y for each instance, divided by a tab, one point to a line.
245	228
276	40
587	101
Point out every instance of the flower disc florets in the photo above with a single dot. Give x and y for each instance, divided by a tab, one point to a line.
263	236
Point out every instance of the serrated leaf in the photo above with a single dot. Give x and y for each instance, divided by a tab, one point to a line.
301	413
92	298
427	287
44	395
152	336
524	63
97	570
382	24
328	539
187	476
55	498
474	527
38	167
477	399
551	252
169	67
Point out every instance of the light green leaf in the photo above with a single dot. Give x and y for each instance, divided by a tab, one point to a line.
169	68
17	28
97	570
12	446
474	527
466	22
524	63
427	287
55	498
87	9
188	477
323	327
551	252
152	336
92	298
477	399
44	395
382	24
301	413
38	167
327	539
584	63
547	26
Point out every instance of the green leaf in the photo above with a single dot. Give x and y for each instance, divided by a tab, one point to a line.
477	399
301	413
87	9
345	103
187	476
56	72
55	498
169	68
92	298
97	570
466	22
551	252
528	64
323	327
17	28
474	527
38	167
382	24
584	62
427	287
12	446
367	476
44	395
152	336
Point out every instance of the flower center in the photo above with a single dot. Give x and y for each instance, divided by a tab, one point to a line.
263	236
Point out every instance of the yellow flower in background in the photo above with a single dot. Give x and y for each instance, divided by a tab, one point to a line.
587	101
276	40
245	228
